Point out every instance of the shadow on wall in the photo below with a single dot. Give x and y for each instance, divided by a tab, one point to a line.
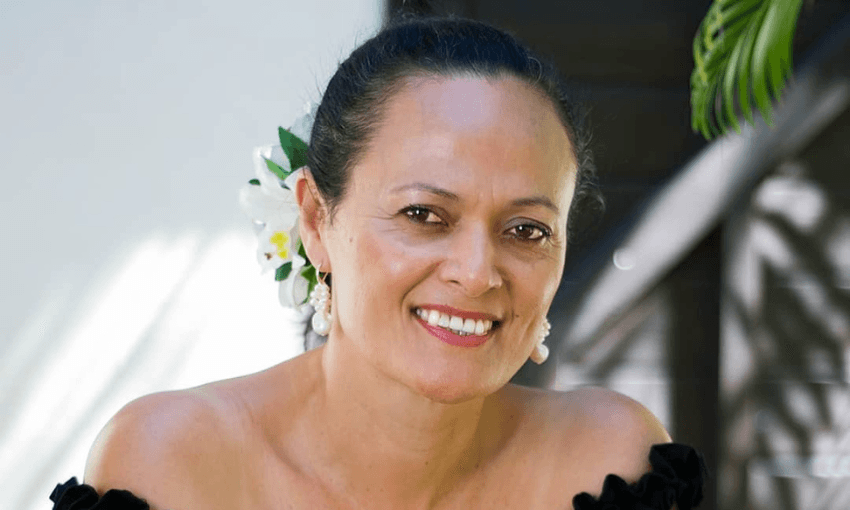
786	336
178	311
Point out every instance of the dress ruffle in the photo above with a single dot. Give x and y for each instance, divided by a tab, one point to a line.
73	496
678	475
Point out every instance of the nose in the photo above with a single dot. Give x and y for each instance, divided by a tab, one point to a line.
471	262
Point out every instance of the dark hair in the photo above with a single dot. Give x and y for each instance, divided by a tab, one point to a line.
354	102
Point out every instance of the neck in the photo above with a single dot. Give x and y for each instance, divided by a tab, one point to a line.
383	441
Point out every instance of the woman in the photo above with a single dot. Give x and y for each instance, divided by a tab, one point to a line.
444	167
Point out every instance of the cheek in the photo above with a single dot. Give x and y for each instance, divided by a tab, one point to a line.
387	266
554	280
539	278
388	258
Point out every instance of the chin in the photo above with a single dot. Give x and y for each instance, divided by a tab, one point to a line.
452	389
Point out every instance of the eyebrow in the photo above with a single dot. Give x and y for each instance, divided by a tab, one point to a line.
536	200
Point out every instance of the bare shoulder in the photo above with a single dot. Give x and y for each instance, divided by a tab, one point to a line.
583	435
167	448
599	412
609	433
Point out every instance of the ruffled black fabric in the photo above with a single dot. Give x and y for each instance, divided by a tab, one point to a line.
73	496
678	475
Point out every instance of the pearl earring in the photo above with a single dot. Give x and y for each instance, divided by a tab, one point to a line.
320	301
541	352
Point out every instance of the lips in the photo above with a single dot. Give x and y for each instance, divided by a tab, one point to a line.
456	327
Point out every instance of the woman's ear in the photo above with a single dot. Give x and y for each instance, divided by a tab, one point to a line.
311	220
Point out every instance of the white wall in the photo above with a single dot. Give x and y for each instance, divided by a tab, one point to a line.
126	130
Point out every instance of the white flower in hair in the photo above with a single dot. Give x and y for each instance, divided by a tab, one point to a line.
269	200
273	207
303	125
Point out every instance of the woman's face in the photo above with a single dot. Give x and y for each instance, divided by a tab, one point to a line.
457	209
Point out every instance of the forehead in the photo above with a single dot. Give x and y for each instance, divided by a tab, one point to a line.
463	128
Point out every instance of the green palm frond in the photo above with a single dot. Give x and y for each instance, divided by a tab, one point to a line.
742	51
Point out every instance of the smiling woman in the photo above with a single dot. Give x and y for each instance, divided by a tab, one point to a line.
443	170
446	208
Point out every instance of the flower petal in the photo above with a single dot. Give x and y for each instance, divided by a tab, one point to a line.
263	206
299	288
268	257
290	292
258	205
303	125
269	182
278	243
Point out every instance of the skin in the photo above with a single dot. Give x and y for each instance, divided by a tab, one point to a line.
490	145
461	199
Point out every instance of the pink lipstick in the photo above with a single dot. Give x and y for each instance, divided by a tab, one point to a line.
453	338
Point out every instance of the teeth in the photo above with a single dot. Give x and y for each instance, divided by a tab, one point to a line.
469	326
479	327
433	317
455	324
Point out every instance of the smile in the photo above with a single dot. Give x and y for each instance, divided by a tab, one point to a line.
455	324
455	330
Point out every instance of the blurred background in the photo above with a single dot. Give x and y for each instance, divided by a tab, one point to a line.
715	290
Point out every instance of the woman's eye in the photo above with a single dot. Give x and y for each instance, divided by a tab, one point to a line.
419	214
530	232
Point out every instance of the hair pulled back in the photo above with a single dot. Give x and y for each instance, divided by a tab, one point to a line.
355	100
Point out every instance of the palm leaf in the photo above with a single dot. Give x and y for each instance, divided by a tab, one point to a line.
742	51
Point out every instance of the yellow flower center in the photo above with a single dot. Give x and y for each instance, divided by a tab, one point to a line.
281	240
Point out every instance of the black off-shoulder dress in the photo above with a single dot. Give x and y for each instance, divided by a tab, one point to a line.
677	476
